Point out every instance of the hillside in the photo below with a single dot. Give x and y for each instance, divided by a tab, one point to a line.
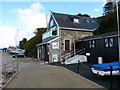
107	23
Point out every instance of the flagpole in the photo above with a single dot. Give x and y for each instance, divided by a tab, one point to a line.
118	27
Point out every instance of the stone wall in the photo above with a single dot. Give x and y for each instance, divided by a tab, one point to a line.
53	51
71	35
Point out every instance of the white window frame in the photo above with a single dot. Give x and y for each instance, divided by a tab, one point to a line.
111	42
106	42
76	20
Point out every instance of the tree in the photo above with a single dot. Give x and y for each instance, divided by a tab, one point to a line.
86	15
79	14
108	23
110	7
22	43
39	30
30	46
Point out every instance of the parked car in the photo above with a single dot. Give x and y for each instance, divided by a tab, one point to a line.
19	55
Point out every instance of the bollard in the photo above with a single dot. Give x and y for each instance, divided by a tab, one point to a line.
53	61
44	61
111	81
78	67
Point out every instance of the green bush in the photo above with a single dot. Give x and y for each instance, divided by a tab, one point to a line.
30	45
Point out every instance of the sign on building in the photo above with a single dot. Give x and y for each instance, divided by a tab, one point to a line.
55	45
54	58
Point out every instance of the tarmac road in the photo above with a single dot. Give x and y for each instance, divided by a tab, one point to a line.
34	74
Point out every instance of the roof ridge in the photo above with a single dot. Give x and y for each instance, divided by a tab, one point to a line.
69	14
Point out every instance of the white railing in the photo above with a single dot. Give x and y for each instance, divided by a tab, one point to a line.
72	53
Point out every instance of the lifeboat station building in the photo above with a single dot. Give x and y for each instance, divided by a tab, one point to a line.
62	31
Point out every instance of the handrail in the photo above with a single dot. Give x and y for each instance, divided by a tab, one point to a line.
70	52
7	63
77	51
8	68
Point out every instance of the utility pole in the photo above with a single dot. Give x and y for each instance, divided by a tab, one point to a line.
118	27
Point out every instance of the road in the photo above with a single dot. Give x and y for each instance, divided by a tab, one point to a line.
5	57
85	71
34	74
23	62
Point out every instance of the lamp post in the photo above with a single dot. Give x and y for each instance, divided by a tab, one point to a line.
118	27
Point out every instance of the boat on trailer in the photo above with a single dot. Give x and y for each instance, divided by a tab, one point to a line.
104	69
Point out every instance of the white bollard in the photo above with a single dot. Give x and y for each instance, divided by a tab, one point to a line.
100	61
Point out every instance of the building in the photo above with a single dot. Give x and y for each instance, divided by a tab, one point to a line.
104	45
62	30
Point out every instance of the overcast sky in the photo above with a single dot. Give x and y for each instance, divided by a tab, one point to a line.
20	19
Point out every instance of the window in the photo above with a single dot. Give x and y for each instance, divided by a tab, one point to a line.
92	44
106	42
51	23
109	42
89	44
76	20
67	45
54	33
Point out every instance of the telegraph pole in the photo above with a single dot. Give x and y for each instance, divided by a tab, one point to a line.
118	27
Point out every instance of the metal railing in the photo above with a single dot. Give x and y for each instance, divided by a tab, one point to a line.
8	70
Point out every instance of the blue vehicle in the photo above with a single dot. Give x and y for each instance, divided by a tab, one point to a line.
19	55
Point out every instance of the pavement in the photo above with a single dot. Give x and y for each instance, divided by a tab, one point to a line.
36	74
45	76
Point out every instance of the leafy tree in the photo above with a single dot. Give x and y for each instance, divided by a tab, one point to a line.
39	30
79	14
86	15
30	46
108	23
22	43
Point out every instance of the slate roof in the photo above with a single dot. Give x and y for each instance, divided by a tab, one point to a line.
66	21
98	36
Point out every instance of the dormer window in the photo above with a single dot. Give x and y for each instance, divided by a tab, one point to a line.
76	20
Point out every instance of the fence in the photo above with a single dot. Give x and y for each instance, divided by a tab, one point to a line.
7	72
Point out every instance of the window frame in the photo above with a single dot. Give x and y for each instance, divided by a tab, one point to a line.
92	44
69	44
76	20
110	44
